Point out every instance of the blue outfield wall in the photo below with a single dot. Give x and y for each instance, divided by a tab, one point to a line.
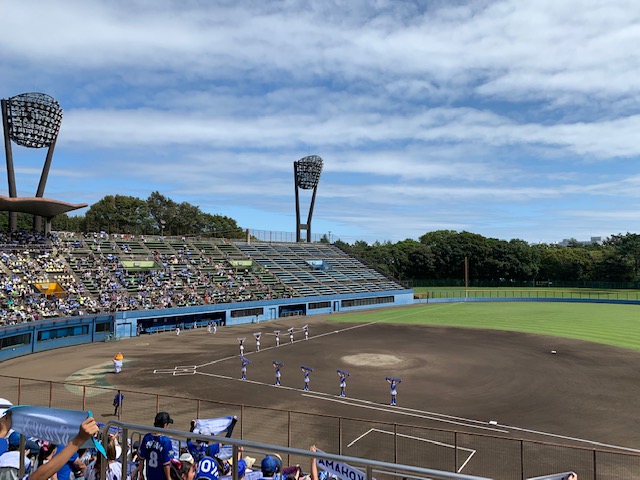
27	338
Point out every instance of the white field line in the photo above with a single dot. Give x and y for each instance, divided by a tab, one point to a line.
402	410
177	369
434	442
352	402
287	343
575	439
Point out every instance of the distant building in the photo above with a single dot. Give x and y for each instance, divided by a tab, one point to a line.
571	241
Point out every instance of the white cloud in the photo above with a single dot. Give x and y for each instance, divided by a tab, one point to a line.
473	109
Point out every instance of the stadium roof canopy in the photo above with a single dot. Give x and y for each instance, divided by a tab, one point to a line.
43	207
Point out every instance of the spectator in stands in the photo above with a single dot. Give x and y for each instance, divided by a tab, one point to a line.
183	470
199	449
72	468
46	453
155	452
270	466
113	466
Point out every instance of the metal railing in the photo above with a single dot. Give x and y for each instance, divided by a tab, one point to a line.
420	446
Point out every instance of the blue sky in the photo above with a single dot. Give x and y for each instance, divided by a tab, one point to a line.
510	119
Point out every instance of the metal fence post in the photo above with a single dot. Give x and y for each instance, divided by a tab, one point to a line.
395	443
522	459
455	451
241	421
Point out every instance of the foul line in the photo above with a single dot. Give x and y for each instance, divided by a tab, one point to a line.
426	415
575	439
435	442
282	345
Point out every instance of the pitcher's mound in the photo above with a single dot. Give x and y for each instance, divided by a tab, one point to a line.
371	360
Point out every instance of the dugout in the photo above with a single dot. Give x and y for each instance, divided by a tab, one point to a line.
185	322
292	310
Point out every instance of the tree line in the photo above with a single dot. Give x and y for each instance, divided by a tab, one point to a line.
437	256
157	215
440	256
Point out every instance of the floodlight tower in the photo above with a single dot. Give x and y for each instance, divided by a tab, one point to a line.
306	173
31	120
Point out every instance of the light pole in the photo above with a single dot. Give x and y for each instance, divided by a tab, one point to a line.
306	173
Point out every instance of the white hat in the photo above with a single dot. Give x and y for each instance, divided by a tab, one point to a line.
187	457
4	404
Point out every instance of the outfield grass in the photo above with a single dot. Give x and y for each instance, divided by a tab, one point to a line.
617	325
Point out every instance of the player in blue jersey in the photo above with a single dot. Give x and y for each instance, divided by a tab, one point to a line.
278	366
393	382
156	452
343	381
307	371
245	362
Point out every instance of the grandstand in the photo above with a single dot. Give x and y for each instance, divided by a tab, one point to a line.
105	273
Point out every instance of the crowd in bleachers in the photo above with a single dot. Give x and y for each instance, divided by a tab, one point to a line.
94	275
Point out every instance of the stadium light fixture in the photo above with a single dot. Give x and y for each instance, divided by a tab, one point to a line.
31	120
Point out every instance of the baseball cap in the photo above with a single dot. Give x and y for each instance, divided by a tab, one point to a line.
14	439
242	468
187	457
269	465
32	446
162	418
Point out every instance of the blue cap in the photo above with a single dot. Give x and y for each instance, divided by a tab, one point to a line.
269	465
14	439
242	468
